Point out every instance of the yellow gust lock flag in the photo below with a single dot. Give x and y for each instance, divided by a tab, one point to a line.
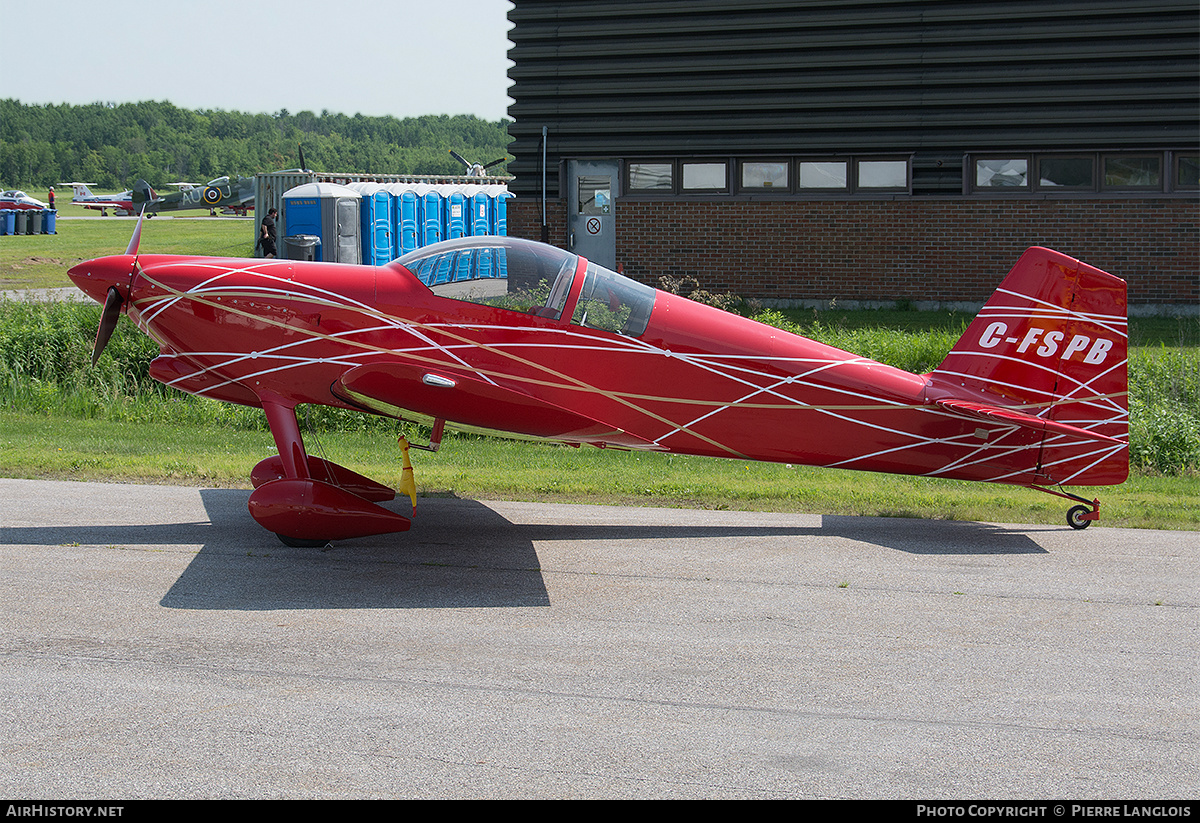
408	483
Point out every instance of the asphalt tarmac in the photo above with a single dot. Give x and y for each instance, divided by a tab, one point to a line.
157	643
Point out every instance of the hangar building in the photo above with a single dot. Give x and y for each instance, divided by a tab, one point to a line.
861	150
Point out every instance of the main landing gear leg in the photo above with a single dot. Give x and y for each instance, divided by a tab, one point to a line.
1078	517
307	501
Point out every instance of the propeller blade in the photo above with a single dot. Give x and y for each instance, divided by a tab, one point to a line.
459	158
495	162
136	240
301	150
108	321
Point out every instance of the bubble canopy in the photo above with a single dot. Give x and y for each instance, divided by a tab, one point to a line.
535	278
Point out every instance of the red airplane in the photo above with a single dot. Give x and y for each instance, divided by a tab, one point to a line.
523	339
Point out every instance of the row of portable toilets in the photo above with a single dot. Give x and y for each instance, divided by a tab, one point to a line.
319	220
28	221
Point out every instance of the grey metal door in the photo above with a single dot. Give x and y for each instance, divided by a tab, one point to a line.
592	187
349	244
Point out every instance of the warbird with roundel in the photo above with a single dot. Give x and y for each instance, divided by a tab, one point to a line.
230	195
523	339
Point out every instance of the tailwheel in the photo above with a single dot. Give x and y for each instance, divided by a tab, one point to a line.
1080	517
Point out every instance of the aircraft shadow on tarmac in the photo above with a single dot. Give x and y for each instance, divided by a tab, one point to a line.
461	554
934	537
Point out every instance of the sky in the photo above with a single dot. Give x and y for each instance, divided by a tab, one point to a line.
403	58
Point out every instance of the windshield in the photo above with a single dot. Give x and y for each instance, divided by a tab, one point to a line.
521	275
612	302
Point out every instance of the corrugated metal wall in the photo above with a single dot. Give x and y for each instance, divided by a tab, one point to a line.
622	78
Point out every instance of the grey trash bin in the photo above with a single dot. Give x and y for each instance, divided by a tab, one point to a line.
301	246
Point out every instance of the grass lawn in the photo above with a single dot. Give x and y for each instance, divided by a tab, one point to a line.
48	446
40	261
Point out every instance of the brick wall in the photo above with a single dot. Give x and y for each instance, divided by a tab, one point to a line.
952	250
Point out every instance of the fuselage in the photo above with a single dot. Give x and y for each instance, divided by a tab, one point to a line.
121	204
696	380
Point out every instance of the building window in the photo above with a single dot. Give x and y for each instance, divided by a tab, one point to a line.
1146	173
883	174
595	195
1002	173
766	175
830	175
1133	172
705	177
651	177
1067	173
1058	173
1187	172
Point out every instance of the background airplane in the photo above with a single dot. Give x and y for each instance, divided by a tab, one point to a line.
13	199
523	339
473	169
121	204
231	196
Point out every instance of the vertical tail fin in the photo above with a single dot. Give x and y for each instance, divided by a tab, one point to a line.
1049	350
81	191
142	193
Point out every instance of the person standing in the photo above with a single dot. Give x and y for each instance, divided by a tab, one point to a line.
266	236
52	198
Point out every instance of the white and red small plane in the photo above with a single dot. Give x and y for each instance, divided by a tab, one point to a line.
17	200
121	204
524	339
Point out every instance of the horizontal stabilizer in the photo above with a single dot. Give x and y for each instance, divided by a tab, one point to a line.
997	414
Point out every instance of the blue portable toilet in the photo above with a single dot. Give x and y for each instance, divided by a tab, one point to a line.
423	269
378	223
455	204
485	264
406	210
500	212
444	268
464	266
385	226
481	214
330	212
500	223
429	202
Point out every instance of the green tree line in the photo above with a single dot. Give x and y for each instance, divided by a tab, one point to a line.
112	145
